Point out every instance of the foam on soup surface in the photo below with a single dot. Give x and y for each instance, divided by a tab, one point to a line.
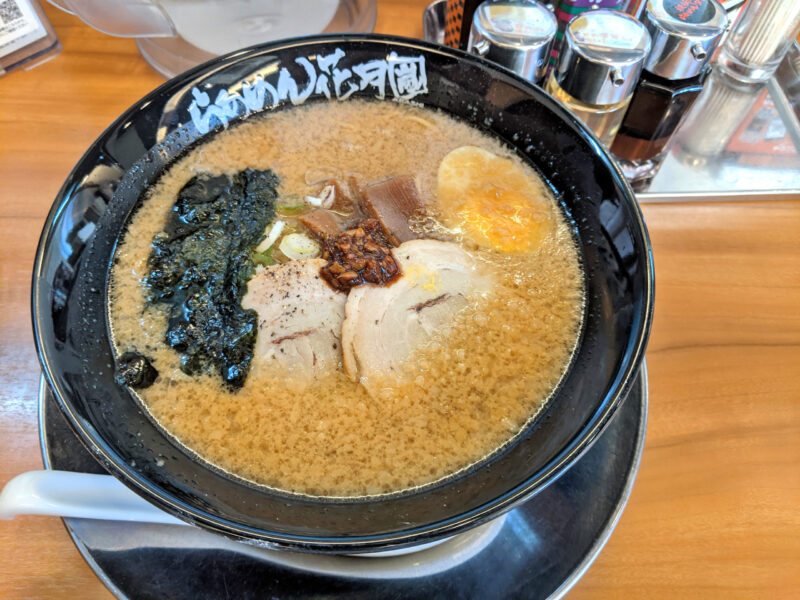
485	366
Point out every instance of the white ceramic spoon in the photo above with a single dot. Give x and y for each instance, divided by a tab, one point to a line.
82	495
88	496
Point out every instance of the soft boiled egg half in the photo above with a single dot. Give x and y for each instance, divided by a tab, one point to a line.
492	200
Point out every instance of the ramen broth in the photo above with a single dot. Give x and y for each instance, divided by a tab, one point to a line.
457	399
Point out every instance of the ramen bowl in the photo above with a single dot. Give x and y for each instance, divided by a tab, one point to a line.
71	273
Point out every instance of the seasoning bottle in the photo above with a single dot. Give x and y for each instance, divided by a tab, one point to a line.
26	36
517	34
458	18
633	7
700	139
599	66
683	42
566	10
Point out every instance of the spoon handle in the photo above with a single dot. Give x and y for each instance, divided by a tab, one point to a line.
81	495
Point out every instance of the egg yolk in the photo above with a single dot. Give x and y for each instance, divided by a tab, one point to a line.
492	200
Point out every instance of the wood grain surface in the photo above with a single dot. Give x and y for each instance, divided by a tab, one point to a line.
715	512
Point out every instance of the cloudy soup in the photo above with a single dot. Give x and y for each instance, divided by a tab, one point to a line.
346	298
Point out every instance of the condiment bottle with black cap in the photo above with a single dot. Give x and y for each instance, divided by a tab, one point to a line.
599	65
684	36
517	34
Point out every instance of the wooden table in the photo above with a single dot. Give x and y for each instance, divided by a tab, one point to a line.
715	512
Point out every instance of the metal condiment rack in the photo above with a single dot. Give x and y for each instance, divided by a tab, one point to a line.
755	157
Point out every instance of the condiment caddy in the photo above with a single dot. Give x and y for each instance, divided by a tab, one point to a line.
631	80
673	76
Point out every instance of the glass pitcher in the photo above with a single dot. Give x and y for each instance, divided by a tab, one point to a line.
175	35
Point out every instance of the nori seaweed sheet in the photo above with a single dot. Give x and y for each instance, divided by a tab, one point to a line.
199	266
135	370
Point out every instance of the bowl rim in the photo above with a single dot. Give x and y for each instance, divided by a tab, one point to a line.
580	443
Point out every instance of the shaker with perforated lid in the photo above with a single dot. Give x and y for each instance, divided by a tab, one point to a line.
684	37
598	68
517	34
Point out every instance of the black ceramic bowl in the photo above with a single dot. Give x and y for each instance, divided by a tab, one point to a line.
72	265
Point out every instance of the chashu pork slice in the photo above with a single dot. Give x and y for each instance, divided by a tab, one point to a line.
299	318
384	324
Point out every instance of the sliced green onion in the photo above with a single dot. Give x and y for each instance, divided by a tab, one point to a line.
314	201
273	232
292	210
327	195
325	199
297	246
290	205
263	258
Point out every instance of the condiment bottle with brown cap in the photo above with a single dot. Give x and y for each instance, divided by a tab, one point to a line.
598	68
